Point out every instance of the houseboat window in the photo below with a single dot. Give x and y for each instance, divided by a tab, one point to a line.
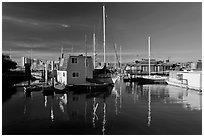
75	74
74	60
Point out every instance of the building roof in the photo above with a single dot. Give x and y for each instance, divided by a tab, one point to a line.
77	56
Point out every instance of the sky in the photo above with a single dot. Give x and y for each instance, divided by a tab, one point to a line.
41	29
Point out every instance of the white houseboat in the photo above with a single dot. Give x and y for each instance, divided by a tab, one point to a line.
186	79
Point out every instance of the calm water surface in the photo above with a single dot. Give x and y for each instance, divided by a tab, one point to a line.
127	109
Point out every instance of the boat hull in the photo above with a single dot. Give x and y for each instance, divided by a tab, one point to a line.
182	84
142	81
146	80
102	80
90	87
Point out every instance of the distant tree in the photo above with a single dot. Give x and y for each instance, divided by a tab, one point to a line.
7	63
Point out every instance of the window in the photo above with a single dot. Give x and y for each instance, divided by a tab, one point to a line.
75	74
74	60
63	74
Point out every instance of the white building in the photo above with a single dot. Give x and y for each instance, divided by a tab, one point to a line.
62	71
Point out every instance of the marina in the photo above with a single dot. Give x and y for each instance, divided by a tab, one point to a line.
101	68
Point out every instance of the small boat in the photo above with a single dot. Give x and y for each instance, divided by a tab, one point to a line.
60	86
33	88
60	89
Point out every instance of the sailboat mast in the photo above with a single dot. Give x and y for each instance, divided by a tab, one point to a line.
115	46
62	53
85	46
120	57
94	50
104	35
149	42
85	57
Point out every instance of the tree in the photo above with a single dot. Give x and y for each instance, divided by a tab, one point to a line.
7	63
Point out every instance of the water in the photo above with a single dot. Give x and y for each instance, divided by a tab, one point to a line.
128	109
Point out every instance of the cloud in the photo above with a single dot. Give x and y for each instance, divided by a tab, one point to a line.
19	21
33	23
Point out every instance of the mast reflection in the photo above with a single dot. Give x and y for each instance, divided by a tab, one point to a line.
120	95
115	92
104	118
45	101
95	106
51	110
149	107
52	114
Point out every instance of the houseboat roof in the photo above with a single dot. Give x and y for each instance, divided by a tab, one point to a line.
80	56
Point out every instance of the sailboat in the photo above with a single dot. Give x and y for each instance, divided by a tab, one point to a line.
151	79
103	75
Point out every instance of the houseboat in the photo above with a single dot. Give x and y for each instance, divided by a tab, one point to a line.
77	73
186	79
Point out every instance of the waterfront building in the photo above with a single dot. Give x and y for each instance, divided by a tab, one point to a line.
75	70
142	67
36	64
196	65
199	65
79	69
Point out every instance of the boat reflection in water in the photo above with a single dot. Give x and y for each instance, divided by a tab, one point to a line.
89	106
149	107
127	108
